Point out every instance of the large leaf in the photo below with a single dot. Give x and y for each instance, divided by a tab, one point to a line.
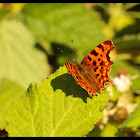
57	107
20	60
9	92
61	22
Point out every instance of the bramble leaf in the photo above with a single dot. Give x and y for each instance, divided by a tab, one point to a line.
57	108
9	92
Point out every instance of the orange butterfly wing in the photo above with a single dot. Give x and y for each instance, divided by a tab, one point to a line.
79	80
96	66
98	61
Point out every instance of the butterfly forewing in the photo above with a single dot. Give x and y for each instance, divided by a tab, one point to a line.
98	61
99	56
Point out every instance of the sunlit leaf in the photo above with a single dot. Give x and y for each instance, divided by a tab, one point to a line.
9	92
58	107
20	60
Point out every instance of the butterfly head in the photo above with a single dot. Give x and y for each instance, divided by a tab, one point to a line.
74	62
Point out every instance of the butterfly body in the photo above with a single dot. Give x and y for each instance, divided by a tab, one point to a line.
92	72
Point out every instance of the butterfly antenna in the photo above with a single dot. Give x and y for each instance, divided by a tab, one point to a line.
61	51
72	43
73	46
64	53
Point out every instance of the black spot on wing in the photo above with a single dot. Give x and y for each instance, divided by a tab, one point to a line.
94	63
95	69
89	58
97	75
80	78
101	47
101	63
94	53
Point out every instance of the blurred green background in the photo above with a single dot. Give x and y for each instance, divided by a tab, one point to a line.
30	34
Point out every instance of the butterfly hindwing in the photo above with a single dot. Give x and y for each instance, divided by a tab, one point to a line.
72	70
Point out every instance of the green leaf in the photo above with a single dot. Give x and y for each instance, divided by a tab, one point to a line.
20	60
9	92
133	120
4	13
128	42
136	86
95	132
136	60
63	22
114	94
123	65
109	130
58	107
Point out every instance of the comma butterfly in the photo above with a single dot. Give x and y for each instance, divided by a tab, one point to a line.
93	71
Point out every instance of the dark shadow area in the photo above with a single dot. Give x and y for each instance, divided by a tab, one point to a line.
125	132
3	133
69	53
131	29
135	8
52	59
66	49
104	15
68	85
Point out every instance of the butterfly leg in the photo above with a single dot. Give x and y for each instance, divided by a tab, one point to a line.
90	93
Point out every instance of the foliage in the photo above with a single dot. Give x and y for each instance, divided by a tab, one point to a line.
9	92
30	36
63	22
47	110
20	60
133	120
